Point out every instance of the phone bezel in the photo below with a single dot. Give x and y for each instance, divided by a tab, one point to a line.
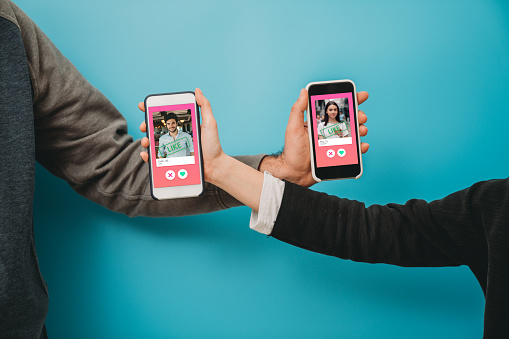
353	171
184	191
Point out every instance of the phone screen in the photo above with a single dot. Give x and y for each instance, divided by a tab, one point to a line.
174	153
334	129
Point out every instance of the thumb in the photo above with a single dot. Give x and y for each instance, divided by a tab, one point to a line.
297	112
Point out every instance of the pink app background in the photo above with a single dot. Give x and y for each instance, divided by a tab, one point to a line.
159	173
322	160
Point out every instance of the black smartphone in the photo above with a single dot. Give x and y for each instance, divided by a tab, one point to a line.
333	129
175	159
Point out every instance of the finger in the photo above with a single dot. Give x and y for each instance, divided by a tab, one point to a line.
363	130
144	156
141	106
364	147
363	118
206	110
143	127
297	111
362	96
145	142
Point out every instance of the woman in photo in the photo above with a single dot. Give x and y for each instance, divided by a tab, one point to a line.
332	126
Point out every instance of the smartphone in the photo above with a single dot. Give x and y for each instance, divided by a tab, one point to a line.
333	129
175	158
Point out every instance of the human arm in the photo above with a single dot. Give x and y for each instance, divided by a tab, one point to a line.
190	145
81	137
320	131
344	133
161	151
468	227
405	235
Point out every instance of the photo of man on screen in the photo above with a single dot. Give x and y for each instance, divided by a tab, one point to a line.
176	142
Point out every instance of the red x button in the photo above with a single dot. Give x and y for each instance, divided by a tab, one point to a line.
170	175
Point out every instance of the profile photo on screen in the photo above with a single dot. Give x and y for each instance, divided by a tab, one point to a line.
173	134
333	119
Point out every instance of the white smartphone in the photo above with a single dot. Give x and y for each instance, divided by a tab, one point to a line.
175	159
333	129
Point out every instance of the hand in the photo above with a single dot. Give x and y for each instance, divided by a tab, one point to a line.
211	147
294	163
143	128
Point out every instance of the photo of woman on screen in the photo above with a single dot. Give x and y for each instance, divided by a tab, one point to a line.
332	125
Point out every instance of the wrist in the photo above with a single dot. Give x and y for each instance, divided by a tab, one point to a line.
274	164
296	172
218	170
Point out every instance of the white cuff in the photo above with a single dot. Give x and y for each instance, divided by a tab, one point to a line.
270	202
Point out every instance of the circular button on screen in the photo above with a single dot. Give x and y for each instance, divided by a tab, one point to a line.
170	175
182	174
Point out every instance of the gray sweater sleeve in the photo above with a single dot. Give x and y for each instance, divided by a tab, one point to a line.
82	138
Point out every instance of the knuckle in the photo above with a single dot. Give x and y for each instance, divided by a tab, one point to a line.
294	109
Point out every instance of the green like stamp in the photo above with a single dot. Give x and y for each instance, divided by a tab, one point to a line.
328	132
175	146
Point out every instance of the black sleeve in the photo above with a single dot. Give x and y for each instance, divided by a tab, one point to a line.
446	232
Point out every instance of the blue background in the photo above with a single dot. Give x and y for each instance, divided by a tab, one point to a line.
437	76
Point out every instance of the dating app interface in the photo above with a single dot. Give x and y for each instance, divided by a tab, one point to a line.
173	145
335	134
